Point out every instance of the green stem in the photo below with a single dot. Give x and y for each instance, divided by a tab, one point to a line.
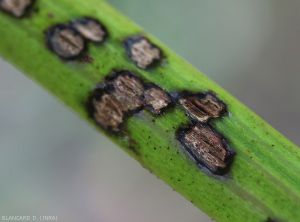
264	180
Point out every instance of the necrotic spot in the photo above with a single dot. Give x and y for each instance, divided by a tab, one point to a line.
128	89
118	97
90	29
16	8
202	107
142	51
107	111
156	99
65	41
121	95
207	147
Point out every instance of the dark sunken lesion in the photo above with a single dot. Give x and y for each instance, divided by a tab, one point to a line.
142	52
16	8
65	41
91	29
202	106
206	147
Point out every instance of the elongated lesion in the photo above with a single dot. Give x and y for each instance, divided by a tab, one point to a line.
203	144
203	106
108	111
207	147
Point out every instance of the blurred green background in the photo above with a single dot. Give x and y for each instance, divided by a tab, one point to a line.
53	163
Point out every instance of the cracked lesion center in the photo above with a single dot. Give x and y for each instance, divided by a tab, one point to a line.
123	94
142	51
202	107
144	54
90	29
156	99
128	90
108	112
65	41
207	147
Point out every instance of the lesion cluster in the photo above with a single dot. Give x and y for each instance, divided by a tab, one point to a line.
123	93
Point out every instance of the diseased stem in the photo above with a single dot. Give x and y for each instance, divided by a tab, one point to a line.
263	180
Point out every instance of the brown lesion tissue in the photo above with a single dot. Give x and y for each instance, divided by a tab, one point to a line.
203	144
206	147
156	99
123	93
108	111
65	41
142	52
128	89
69	40
16	8
90	28
203	106
120	96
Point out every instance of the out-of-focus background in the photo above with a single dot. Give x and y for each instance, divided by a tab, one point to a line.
53	163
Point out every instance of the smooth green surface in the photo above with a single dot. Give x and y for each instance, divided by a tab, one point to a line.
263	181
